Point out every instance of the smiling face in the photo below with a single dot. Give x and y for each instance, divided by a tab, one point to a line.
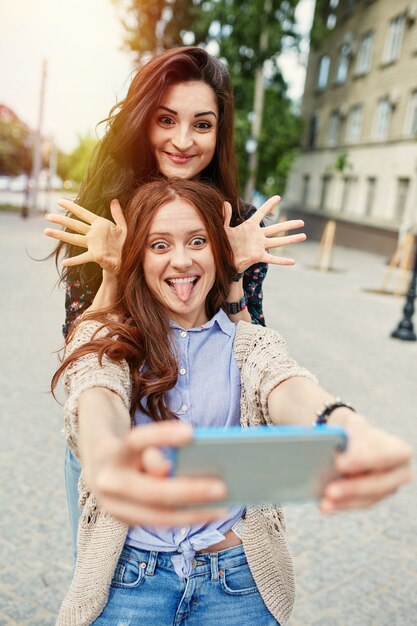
178	262
183	129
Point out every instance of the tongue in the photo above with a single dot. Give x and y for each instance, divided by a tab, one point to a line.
183	290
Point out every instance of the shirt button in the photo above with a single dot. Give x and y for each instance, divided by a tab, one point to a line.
183	532
183	333
184	408
183	371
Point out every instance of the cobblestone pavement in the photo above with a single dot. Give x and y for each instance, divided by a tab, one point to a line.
356	569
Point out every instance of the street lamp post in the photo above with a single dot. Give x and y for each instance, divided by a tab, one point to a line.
405	329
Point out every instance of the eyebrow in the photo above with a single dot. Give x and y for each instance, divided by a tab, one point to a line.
200	231
195	114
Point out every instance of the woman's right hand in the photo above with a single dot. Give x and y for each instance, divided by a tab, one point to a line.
130	478
103	239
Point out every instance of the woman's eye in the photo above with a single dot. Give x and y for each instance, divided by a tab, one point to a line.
198	241
204	125
166	121
159	245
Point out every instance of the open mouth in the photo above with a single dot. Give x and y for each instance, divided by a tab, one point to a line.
182	287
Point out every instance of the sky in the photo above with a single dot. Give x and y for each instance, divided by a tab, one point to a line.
88	70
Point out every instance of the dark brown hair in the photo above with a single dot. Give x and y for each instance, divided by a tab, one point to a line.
123	159
142	333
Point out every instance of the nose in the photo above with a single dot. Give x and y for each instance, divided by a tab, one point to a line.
181	139
181	258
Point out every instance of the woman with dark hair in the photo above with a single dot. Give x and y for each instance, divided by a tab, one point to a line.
176	120
133	374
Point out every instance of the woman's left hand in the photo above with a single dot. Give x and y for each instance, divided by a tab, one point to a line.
374	465
251	242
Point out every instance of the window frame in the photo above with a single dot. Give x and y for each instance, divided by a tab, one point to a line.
382	119
410	125
394	39
333	128
343	61
364	57
320	83
356	111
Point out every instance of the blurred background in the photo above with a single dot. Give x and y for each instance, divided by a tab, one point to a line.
65	64
326	100
326	116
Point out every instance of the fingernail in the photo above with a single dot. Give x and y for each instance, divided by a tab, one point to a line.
334	492
217	490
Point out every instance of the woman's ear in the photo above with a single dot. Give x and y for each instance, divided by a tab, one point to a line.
227	213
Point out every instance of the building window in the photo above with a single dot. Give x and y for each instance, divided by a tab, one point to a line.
411	118
305	191
312	135
382	119
354	124
363	63
348	183
370	195
394	39
325	186
323	75
331	15
333	128
343	63
402	193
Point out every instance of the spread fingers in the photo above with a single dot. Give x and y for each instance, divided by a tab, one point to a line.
79	211
68	222
63	235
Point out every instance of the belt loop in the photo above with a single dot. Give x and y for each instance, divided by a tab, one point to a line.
214	566
150	568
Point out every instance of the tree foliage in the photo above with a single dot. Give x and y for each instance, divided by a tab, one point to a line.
73	166
16	144
247	34
320	29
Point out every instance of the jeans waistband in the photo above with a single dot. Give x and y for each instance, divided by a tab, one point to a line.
210	562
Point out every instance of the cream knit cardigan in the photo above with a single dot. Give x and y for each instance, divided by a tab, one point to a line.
264	362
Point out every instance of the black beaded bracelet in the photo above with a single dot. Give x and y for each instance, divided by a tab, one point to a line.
232	308
329	407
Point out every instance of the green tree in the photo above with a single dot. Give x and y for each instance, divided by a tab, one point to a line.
250	35
73	166
16	143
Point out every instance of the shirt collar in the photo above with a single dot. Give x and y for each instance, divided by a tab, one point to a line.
220	318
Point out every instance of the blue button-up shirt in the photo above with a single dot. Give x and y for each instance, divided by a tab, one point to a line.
207	394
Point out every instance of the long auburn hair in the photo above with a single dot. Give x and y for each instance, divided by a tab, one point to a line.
123	158
141	334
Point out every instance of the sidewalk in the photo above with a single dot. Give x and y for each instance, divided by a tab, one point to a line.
355	569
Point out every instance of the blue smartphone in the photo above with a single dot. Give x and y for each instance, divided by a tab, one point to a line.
262	465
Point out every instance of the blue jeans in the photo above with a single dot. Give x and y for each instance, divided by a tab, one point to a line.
220	590
72	475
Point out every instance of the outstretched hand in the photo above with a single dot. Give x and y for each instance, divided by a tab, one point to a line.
251	242
374	465
103	239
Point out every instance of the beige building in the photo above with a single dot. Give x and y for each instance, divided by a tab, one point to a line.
358	163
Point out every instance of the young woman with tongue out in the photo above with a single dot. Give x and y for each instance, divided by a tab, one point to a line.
166	350
176	121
